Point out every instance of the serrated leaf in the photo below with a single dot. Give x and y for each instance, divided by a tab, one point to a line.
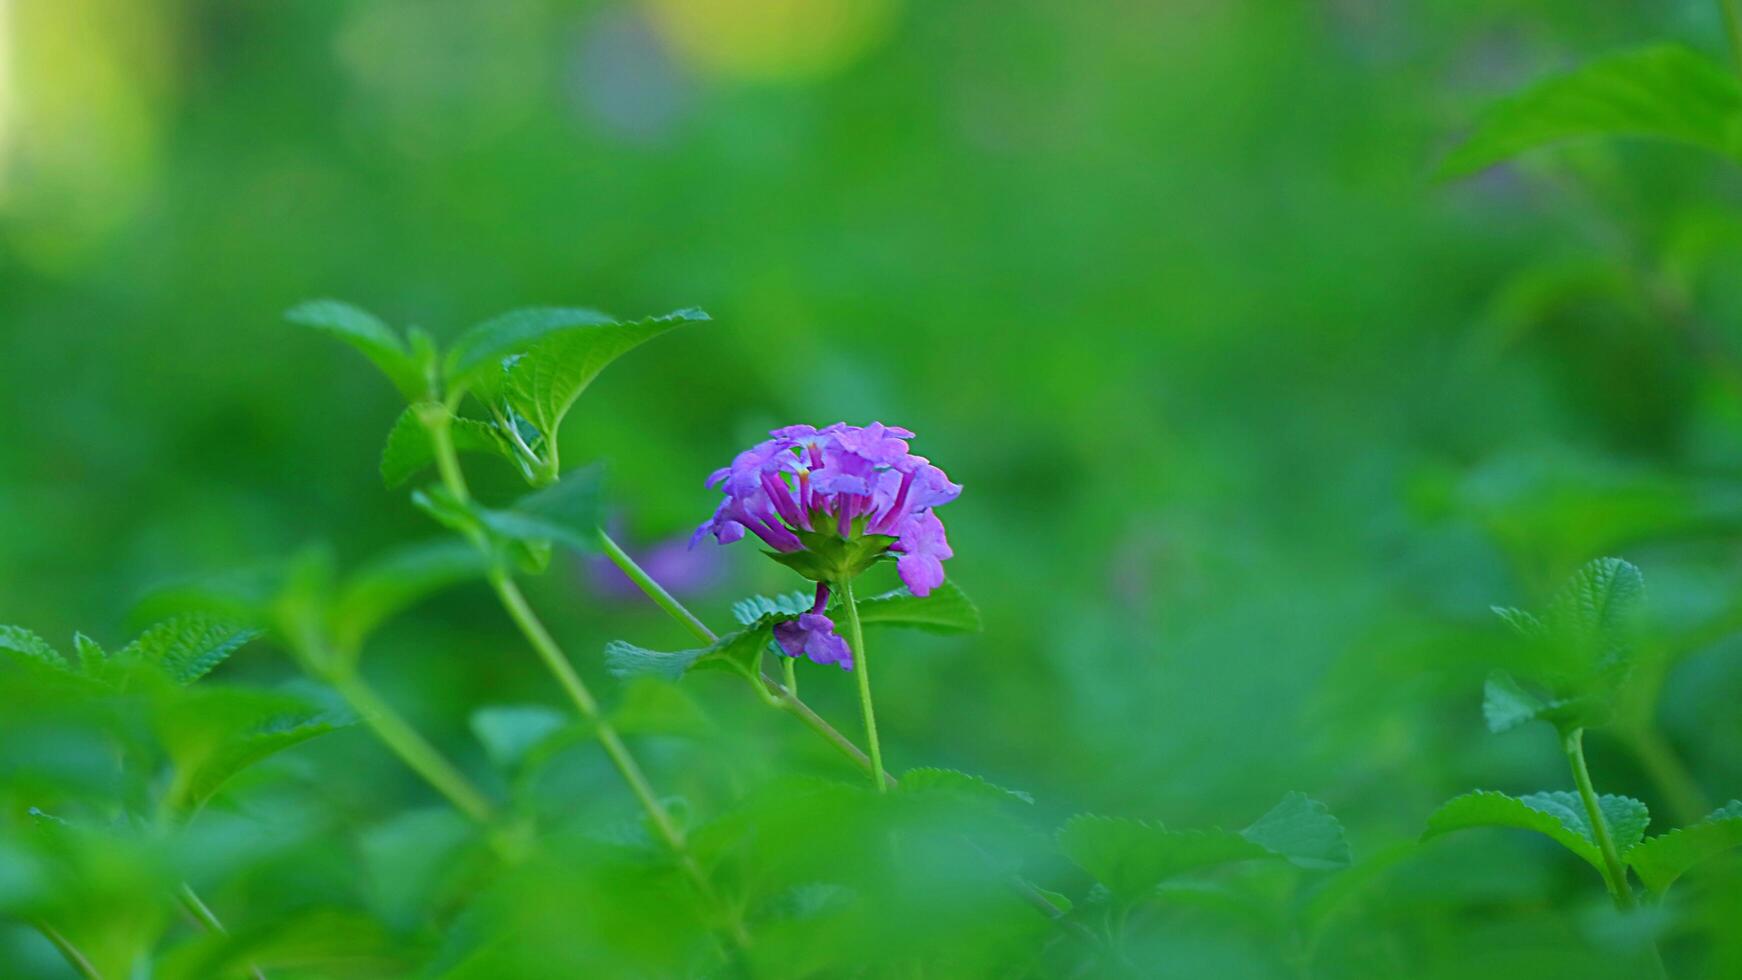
187	648
1523	623
483	347
1666	857
789	606
933	780
946	610
397	580
543	383
1303	831
22	642
509	732
1132	857
1664	92
409	449
1602	599
91	656
740	652
1559	815
365	332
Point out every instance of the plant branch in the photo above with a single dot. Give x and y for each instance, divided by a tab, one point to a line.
76	959
1615	873
411	747
203	914
862	667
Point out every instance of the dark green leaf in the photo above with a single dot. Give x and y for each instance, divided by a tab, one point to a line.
1662	859
1664	92
740	652
543	383
1303	831
756	607
952	782
1558	815
409	449
624	659
1506	705
187	647
946	610
566	512
215	732
363	331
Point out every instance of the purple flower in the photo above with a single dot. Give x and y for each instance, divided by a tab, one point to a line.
813	635
831	501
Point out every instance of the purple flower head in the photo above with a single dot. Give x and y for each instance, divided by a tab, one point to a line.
828	502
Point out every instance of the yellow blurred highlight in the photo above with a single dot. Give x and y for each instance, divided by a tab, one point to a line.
772	39
84	86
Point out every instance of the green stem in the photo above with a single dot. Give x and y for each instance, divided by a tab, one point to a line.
520	611
411	747
203	914
862	667
1733	27
76	959
1615	873
789	666
665	600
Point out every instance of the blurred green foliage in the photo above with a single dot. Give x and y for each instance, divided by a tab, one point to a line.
1256	415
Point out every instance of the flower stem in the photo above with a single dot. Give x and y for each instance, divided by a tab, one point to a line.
423	758
790	668
76	959
203	914
1614	871
1733	27
862	667
520	611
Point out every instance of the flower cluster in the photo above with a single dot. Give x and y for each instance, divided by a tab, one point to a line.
828	503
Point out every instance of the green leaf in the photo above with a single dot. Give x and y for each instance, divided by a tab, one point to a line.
1525	624
398	579
624	659
1666	857
1559	815
1303	831
409	449
509	732
1506	705
215	732
33	648
955	783
1664	92
1602	600
92	658
1132	857
946	610
485	346
566	512
543	383
788	606
187	647
374	339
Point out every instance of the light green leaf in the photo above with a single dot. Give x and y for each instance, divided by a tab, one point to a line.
398	579
953	782
187	647
788	606
509	732
363	331
24	643
543	383
1602	599
740	652
409	450
566	512
1666	857
946	610
1303	831
1559	815
1132	857
1664	92
1506	705
623	659
92	659
1524	623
